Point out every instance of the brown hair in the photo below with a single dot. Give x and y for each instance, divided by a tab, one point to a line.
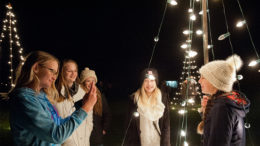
210	104
25	75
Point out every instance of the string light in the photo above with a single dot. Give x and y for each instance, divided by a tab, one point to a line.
240	23
193	17
186	32
185	143
172	2
136	114
254	63
10	29
199	32
183	133
223	36
191	54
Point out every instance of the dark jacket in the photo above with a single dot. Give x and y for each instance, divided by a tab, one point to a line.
100	124
224	125
132	135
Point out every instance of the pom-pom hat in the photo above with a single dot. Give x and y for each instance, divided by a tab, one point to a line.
222	73
87	73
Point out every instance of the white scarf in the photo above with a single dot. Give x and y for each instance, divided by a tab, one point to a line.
150	115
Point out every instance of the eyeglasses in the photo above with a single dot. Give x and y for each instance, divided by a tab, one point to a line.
50	69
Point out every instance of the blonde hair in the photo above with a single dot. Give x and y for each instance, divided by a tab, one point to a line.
141	96
61	80
25	75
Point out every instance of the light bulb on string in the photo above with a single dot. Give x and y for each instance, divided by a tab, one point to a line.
239	77
247	125
223	36
210	46
240	23
191	54
136	114
156	39
184	46
186	32
185	143
201	12
190	10
183	133
199	32
172	2
254	63
192	17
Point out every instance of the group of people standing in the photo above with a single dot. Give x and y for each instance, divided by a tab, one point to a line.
45	113
73	112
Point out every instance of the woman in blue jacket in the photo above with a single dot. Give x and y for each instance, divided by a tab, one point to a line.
33	119
223	123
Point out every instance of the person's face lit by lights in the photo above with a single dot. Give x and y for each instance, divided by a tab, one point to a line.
149	85
71	72
206	86
88	81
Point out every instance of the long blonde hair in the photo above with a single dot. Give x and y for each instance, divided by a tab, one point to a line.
61	80
140	95
25	75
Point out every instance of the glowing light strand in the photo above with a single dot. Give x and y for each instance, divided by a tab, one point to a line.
9	26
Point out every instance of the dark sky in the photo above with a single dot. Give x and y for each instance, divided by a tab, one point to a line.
115	37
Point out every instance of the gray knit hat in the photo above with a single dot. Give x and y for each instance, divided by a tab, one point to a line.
222	73
87	73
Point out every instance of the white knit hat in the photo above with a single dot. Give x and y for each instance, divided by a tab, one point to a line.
222	73
87	73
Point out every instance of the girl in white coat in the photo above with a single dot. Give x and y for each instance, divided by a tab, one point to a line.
71	94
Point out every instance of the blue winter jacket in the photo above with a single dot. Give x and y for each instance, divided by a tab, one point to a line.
35	122
224	125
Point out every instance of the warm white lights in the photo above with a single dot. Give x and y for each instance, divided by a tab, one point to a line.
254	63
191	53
183	133
239	77
185	143
191	101
185	46
240	23
182	112
192	17
210	46
136	114
173	2
199	32
186	32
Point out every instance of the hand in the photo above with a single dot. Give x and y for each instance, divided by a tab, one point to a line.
90	99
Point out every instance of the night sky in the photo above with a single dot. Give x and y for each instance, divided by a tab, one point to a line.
115	37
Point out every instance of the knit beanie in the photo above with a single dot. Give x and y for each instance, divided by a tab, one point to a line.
222	73
87	73
149	73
